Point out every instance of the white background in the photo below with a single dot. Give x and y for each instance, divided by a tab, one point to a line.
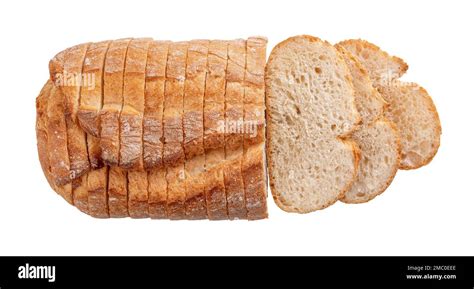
424	212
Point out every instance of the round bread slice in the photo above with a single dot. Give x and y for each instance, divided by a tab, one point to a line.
377	138
310	105
414	113
379	160
383	68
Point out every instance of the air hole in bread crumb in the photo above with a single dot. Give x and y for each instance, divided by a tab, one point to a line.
322	57
317	70
333	127
298	111
360	195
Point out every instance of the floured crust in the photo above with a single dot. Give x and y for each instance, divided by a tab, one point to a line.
131	117
114	68
176	183
254	141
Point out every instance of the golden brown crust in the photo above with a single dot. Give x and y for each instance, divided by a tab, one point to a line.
214	106
131	117
193	126
173	152
80	194
117	192
138	194
90	102
157	190
97	181
234	117
57	140
154	96
254	113
255	183
42	131
114	68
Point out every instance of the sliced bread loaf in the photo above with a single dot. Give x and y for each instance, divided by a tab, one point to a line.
310	105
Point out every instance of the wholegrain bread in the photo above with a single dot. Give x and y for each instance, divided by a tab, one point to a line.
131	116
310	105
254	118
114	68
376	138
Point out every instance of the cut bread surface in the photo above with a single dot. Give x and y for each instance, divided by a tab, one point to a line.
414	113
310	105
376	138
410	107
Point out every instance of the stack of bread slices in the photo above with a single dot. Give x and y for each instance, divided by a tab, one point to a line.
177	130
340	123
160	129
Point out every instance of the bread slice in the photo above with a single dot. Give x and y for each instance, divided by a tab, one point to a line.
90	103
114	68
234	120
379	160
377	138
138	194
57	140
153	144
131	116
382	67
214	141
66	73
154	95
117	192
97	181
173	153
310	105
368	100
254	121
157	193
410	106
414	113
80	194
193	127
71	90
